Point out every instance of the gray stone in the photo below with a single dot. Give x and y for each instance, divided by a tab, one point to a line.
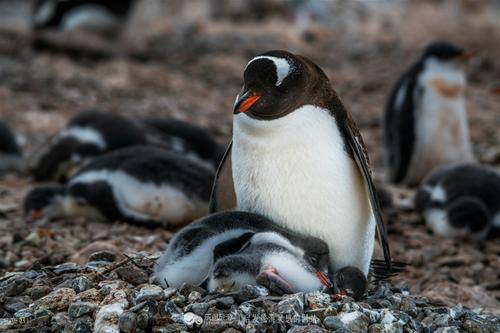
78	309
17	286
333	323
292	305
149	292
250	292
187	288
104	255
355	321
442	320
132	275
13	306
81	283
194	296
83	325
317	300
24	313
37	292
224	302
127	322
66	268
198	308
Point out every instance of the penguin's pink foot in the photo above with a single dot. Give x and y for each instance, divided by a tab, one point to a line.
270	279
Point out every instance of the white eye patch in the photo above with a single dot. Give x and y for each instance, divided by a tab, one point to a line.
283	67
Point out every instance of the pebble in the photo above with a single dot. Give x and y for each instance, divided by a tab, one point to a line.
292	305
66	268
127	322
104	255
224	302
355	321
81	283
58	300
250	292
132	274
333	323
149	292
79	309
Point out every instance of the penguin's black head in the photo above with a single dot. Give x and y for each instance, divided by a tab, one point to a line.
317	255
469	213
443	51
277	83
62	159
350	281
44	202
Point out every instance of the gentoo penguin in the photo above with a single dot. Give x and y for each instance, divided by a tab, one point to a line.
192	251
142	185
298	158
461	200
10	153
425	119
91	133
104	16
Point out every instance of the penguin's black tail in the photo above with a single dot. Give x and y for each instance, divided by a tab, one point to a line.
380	272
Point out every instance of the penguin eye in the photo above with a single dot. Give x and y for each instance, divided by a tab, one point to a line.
313	260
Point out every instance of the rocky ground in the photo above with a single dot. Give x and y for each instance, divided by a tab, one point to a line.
78	275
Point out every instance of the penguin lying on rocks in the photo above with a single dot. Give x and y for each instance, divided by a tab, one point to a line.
98	15
267	262
190	254
461	200
425	119
143	185
91	133
11	159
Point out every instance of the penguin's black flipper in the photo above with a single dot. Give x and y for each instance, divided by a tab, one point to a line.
223	196
232	245
353	137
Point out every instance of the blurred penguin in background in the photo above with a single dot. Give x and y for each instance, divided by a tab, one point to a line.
461	200
104	16
11	159
425	120
92	133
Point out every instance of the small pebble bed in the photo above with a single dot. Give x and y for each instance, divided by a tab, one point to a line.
110	294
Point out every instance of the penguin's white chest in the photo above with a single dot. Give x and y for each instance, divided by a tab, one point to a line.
295	170
441	129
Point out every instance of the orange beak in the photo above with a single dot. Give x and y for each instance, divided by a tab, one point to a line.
323	278
245	102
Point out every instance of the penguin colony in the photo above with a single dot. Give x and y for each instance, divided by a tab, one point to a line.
290	203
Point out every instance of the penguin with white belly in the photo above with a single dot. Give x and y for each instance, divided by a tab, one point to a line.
193	250
298	158
142	185
92	133
425	120
104	16
461	200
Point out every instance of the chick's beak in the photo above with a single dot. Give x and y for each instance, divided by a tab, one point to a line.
245	101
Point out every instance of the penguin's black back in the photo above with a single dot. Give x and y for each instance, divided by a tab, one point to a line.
194	234
194	137
151	164
118	131
8	142
471	180
119	8
399	124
